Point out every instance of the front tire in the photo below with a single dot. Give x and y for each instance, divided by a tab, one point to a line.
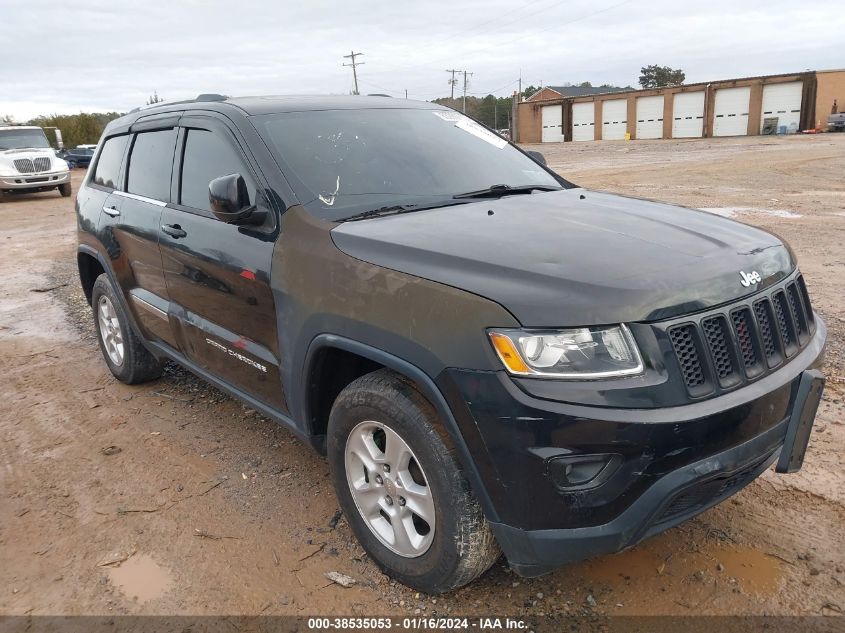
66	189
122	349
402	490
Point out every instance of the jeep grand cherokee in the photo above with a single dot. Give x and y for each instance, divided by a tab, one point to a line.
490	356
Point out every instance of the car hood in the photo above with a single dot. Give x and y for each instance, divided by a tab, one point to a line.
31	151
575	257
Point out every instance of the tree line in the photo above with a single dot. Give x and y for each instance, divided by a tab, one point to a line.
495	111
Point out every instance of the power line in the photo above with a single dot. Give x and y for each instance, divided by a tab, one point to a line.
352	56
493	92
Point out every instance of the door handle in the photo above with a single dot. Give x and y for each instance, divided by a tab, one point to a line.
173	230
112	211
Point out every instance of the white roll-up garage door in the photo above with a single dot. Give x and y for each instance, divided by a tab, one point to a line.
614	119
552	117
583	121
730	112
688	115
650	117
782	101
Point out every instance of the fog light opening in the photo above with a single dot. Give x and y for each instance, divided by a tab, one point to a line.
580	472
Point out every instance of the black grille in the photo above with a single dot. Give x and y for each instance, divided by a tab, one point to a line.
762	312
744	336
802	288
718	343
702	494
797	310
744	340
784	322
687	353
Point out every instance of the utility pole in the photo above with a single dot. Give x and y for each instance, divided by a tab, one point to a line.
496	115
406	93
453	81
352	56
465	89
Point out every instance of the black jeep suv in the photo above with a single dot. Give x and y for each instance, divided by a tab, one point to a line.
490	356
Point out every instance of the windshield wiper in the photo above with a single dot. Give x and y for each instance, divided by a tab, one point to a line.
497	191
396	209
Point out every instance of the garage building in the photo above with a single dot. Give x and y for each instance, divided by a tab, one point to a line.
771	104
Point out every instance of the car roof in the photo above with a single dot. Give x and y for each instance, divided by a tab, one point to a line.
20	127
260	105
299	103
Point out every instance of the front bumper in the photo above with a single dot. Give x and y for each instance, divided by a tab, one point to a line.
668	464
26	182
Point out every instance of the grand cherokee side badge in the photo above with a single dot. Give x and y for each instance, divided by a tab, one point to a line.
751	278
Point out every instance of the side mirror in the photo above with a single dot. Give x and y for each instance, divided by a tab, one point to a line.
537	156
229	200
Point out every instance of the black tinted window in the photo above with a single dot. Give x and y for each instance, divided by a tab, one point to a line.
151	164
108	165
207	156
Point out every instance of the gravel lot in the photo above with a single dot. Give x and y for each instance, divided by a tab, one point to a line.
205	507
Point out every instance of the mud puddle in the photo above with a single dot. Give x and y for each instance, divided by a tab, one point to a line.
141	578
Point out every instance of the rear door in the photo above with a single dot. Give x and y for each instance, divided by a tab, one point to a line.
130	225
218	274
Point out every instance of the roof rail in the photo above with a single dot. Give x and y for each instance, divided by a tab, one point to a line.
210	96
202	98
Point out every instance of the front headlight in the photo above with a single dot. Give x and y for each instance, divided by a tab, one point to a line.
582	353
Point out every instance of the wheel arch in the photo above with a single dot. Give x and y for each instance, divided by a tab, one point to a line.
313	398
90	267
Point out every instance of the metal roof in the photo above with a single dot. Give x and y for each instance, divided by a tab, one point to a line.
272	104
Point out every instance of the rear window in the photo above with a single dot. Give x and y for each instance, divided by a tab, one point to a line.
151	164
107	170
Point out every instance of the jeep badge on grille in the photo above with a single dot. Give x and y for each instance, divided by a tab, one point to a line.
751	278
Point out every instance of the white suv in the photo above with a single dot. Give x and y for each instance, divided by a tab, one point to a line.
29	164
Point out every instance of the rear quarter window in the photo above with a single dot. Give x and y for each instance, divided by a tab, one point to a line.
151	164
107	171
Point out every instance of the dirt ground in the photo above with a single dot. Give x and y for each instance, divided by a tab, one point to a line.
213	509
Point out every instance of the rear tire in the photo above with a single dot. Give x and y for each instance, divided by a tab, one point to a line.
122	349
66	189
416	518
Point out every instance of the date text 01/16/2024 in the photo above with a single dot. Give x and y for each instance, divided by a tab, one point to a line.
418	624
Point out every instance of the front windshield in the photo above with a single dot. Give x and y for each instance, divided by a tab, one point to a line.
342	162
22	139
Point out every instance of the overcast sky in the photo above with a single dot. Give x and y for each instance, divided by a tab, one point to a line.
84	55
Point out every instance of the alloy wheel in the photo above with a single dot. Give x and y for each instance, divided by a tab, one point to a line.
390	489
110	332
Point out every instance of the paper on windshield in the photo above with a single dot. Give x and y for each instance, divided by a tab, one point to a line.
468	125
